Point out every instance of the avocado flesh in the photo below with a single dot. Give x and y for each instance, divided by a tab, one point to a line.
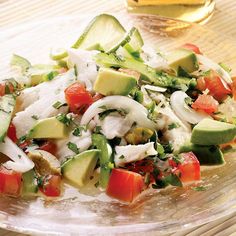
184	59
211	132
207	155
79	169
48	128
111	82
30	186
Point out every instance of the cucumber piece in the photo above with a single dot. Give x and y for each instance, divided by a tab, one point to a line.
104	30
101	143
21	62
132	39
30	185
7	105
147	73
79	169
58	54
207	155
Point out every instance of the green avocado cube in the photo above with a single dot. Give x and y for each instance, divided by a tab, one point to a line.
112	82
212	132
183	59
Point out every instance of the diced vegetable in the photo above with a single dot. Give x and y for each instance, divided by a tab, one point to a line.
191	47
205	103
124	185
10	182
30	184
51	185
104	158
11	133
78	98
187	167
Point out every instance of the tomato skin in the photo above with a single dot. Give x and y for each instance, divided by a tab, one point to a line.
233	87
189	169
217	87
205	103
3	89
51	186
49	146
124	185
11	133
78	98
10	182
191	47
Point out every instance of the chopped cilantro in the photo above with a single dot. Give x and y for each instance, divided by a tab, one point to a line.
78	130
173	126
107	112
97	129
59	104
73	147
34	117
63	118
177	159
173	180
225	67
188	101
199	188
122	157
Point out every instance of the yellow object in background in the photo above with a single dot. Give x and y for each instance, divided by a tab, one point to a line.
168	2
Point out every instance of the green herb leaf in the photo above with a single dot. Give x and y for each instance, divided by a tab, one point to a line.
73	147
63	118
173	180
199	188
34	117
97	129
59	104
107	112
78	130
173	126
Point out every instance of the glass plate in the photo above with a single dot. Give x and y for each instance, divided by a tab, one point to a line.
79	213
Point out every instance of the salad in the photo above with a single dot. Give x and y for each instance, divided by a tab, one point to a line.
112	111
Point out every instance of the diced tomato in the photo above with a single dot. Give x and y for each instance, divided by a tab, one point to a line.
201	84
78	98
143	166
124	185
51	186
191	47
205	103
11	133
233	87
25	144
217	87
10	182
49	146
3	89
188	169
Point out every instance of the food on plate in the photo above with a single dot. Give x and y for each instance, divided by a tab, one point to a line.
114	113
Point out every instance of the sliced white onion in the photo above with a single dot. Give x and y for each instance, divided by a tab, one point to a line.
136	111
208	63
183	111
20	161
155	88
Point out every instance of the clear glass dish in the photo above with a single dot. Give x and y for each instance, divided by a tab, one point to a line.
79	213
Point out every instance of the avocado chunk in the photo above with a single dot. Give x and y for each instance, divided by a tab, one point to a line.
79	169
183	59
48	128
7	105
30	186
45	162
111	82
207	155
212	132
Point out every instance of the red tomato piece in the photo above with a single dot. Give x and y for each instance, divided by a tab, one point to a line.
49	146
218	88
97	96
191	47
51	186
233	87
11	133
188	169
78	98
10	182
201	84
3	88
124	185
205	103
